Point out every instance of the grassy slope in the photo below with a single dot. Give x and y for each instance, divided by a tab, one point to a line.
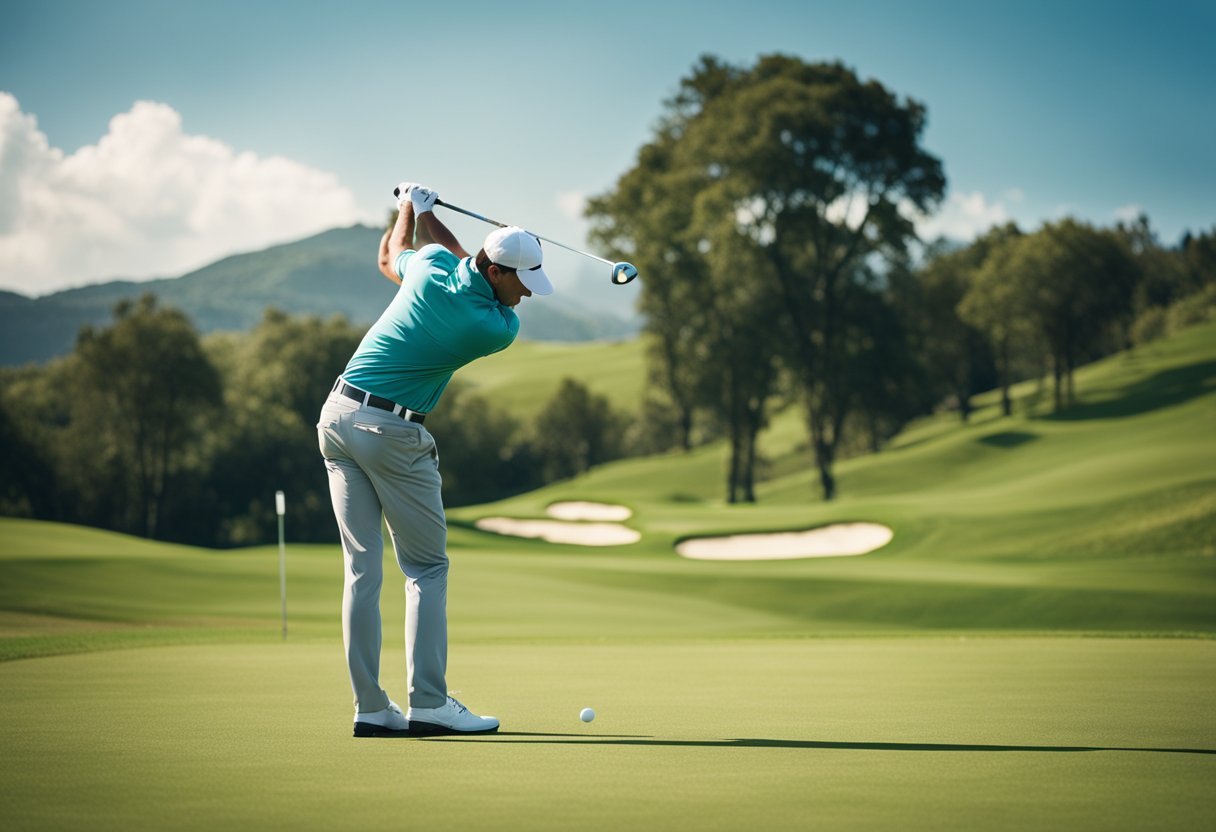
1102	520
523	378
725	702
1033	523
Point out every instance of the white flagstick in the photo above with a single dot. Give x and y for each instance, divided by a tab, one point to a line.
280	507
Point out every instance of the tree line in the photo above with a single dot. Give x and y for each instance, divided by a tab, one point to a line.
148	428
772	217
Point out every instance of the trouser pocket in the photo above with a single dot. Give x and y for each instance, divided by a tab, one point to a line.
402	433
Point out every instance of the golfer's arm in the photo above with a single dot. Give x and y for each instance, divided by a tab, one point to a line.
385	262
434	231
399	239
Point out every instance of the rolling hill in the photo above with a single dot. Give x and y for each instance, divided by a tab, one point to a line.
331	273
1102	519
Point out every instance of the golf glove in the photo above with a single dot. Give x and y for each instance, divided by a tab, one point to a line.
403	191
423	199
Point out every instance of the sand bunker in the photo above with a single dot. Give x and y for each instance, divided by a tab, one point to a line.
840	540
556	531
589	511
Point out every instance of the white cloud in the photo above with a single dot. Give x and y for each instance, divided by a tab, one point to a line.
148	200
1129	213
571	204
963	217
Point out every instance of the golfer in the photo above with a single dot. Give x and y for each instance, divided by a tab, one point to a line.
451	309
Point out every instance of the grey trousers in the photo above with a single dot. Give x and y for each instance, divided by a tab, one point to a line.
380	464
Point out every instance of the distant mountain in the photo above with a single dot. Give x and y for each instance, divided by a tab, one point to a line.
331	273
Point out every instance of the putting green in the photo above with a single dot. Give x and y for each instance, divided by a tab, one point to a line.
899	733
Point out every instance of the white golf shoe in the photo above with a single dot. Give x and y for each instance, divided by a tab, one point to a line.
387	723
449	718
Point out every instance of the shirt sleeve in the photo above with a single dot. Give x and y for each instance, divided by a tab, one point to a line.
434	260
501	333
402	259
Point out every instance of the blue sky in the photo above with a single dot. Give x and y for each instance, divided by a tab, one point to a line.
1036	109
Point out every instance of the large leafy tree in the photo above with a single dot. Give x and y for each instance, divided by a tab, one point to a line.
647	217
995	299
576	430
276	379
818	170
28	486
1164	273
710	312
737	351
141	395
892	380
1199	256
1066	291
954	351
1081	282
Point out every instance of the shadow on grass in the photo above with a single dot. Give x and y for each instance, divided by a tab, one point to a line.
1163	389
525	737
1007	439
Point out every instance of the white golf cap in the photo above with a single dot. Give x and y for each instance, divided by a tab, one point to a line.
515	248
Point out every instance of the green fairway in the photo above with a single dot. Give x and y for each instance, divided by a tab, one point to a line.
520	380
915	733
1034	648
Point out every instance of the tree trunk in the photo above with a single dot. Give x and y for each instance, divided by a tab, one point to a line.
1006	403
1069	354
144	475
1057	371
164	454
732	474
823	459
749	469
670	362
755	416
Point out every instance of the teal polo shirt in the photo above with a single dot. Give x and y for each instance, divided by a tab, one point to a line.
443	316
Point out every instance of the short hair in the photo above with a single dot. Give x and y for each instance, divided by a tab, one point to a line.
484	262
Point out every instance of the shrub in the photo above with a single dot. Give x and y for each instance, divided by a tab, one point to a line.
1193	309
1150	325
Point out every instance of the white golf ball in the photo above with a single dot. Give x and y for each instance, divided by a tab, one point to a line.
586	715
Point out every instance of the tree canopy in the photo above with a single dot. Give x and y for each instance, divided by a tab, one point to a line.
767	201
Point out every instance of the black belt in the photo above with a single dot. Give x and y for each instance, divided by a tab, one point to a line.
352	392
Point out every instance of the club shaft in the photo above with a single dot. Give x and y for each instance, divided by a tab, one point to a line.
477	216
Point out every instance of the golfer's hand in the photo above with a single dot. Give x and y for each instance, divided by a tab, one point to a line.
403	192
423	199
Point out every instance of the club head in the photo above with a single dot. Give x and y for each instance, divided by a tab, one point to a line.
622	273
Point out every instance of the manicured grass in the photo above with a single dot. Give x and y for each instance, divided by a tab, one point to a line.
929	684
522	379
824	734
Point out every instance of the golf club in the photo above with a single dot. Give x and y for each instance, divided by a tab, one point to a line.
622	273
